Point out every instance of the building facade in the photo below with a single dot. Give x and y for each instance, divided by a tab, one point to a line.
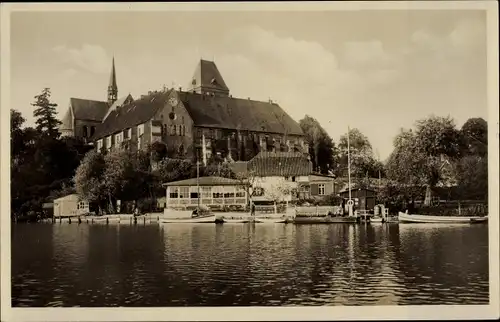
84	116
200	122
212	192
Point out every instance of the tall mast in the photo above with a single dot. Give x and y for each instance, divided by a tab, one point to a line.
198	180
349	161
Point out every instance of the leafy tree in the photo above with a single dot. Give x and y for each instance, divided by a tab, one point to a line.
158	151
475	136
424	157
363	164
321	146
89	177
45	114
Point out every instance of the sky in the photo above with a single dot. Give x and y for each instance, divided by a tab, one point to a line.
377	71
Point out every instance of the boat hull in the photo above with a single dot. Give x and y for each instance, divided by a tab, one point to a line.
404	217
376	220
324	220
196	220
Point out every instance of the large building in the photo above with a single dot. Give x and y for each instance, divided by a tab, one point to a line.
202	121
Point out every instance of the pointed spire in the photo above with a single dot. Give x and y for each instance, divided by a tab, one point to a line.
112	87
112	78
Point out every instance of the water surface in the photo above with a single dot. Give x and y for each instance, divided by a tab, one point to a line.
240	264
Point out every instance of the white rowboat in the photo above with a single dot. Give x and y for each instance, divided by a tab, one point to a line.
404	217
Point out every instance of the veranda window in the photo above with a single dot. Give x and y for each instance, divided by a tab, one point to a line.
228	192
217	192
184	192
193	194
174	192
206	192
240	192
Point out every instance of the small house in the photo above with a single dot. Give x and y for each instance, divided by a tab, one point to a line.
364	199
70	206
318	185
213	192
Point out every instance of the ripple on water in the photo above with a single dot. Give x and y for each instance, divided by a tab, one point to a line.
240	265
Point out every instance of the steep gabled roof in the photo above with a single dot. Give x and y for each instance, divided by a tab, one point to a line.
207	76
119	102
236	113
281	164
91	110
67	121
131	114
205	181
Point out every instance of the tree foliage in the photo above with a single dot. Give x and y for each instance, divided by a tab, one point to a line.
42	163
321	146
434	154
364	166
46	114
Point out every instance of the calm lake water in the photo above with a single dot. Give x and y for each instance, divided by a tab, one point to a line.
239	264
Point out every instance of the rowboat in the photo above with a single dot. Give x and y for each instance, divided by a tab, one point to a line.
405	217
376	220
186	216
205	219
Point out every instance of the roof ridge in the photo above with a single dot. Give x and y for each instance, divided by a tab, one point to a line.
86	99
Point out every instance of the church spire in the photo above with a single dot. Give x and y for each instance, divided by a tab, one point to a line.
112	87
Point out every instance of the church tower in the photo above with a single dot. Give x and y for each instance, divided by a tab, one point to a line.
208	80
112	87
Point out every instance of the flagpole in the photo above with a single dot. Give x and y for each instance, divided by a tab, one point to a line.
349	170
204	150
198	181
349	161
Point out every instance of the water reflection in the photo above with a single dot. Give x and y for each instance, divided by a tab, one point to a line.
176	265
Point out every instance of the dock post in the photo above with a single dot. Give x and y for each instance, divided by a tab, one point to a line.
107	220
60	220
79	220
69	220
144	220
135	220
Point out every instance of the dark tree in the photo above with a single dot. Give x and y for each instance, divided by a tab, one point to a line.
45	114
321	146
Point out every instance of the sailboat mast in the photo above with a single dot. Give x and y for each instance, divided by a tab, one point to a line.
198	181
349	161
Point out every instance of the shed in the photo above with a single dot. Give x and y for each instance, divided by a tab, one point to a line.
364	199
70	206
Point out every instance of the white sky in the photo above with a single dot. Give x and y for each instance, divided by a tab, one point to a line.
376	71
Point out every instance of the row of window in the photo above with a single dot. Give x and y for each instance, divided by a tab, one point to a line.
206	192
88	133
179	130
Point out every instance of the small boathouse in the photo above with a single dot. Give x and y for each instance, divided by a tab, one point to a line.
213	192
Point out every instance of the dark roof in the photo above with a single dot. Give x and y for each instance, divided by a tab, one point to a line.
236	113
282	164
67	121
208	77
205	181
353	188
239	167
84	109
119	102
131	114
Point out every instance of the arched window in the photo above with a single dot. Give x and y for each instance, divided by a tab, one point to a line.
85	131
174	130
92	130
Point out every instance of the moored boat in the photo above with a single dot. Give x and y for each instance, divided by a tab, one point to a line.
187	216
376	220
324	219
413	218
